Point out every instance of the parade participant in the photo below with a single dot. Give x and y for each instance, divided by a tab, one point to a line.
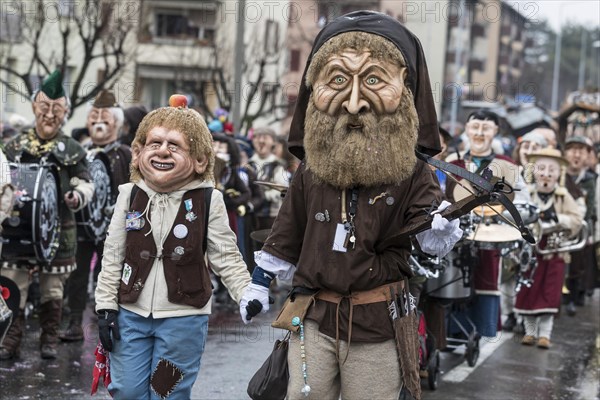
582	266
364	105
481	128
268	168
558	211
46	141
154	291
529	143
104	122
235	192
247	224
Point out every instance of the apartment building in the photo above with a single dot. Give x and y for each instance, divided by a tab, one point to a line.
484	53
173	46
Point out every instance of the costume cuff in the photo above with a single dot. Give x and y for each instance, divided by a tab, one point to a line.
268	262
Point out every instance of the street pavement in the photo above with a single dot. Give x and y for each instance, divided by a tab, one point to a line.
570	370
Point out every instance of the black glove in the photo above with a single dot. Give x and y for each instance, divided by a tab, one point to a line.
255	306
107	323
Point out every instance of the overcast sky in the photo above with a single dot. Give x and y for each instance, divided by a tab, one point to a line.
558	12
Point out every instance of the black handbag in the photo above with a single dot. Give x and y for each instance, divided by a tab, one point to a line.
270	382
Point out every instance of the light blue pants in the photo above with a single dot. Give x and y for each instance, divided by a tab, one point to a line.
177	342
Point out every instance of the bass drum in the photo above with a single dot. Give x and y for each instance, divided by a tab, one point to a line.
33	229
93	219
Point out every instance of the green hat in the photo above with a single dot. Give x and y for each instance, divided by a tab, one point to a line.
52	86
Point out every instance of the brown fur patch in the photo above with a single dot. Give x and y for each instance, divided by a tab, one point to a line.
381	49
189	123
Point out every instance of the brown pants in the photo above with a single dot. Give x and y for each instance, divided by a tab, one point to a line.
372	370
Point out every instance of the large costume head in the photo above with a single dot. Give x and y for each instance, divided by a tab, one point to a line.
171	148
548	168
577	152
366	103
50	106
263	140
481	128
105	119
531	142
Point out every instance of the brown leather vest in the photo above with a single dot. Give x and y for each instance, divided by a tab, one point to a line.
186	274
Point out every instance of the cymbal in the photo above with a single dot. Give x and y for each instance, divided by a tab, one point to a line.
281	188
260	236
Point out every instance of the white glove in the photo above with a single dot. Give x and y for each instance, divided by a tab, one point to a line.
252	294
442	236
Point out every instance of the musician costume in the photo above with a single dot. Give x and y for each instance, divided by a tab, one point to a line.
348	344
104	122
583	274
485	307
73	178
539	303
154	283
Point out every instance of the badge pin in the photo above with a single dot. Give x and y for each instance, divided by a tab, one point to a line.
320	217
60	146
389	201
179	250
134	221
191	216
180	231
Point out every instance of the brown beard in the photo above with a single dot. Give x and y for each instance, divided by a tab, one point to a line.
381	152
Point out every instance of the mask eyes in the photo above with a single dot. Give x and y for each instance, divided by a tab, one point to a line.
372	80
171	147
339	80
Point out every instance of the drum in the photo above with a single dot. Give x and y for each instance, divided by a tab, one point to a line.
94	218
491	236
454	283
33	229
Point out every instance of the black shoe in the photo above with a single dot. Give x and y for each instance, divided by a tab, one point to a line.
571	310
510	323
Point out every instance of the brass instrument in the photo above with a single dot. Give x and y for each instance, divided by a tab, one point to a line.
561	241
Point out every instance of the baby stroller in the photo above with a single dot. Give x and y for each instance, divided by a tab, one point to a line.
429	356
453	288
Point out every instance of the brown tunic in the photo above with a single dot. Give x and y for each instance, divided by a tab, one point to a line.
299	238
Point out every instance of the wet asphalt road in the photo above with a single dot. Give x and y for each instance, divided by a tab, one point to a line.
569	370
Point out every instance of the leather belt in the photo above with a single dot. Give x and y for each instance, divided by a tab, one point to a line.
375	295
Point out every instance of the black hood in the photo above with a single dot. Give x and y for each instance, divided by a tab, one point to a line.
417	79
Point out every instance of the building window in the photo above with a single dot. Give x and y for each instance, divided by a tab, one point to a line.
196	24
271	37
10	26
294	60
66	8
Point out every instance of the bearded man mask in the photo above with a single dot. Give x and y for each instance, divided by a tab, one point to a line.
361	123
